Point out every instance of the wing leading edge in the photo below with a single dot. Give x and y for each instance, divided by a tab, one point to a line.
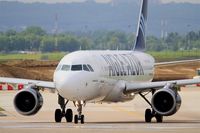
37	83
176	62
146	86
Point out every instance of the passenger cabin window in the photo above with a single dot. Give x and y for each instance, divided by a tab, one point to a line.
65	68
85	68
76	68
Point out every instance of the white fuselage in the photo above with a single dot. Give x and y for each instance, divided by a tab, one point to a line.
105	81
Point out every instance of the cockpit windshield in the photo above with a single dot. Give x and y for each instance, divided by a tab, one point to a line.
91	69
85	68
78	67
65	68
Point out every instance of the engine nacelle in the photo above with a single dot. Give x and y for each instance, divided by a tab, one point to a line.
28	101
166	101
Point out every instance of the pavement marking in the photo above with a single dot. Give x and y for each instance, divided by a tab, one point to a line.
122	126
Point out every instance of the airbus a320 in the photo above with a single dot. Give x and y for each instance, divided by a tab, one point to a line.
104	76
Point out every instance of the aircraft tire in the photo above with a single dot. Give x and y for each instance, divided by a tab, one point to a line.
159	118
148	115
76	119
82	119
58	115
69	115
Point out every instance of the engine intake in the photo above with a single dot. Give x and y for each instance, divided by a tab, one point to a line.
28	101
166	101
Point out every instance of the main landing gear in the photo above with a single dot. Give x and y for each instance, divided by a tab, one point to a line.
79	116
60	113
150	113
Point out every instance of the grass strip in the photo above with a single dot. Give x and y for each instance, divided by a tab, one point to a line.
1	109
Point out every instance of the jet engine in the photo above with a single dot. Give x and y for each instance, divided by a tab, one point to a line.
28	101
166	101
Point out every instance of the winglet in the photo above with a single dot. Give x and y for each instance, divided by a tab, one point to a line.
140	41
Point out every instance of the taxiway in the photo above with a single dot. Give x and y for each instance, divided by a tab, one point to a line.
121	117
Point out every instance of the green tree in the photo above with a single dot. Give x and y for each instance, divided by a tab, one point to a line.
172	41
86	43
68	43
73	44
154	44
4	40
34	30
10	32
33	42
47	44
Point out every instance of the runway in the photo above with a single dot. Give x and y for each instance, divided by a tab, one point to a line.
121	117
100	127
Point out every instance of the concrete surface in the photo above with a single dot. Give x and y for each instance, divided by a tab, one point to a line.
107	118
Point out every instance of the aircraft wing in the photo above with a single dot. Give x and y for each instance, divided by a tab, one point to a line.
176	62
37	83
146	86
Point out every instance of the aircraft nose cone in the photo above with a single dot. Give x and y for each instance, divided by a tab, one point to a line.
68	86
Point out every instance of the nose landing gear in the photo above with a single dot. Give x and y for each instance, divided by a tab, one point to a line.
79	117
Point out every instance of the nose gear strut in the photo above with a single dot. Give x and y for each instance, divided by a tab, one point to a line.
79	116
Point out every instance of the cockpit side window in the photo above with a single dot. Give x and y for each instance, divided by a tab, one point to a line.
76	68
91	69
65	68
58	67
85	68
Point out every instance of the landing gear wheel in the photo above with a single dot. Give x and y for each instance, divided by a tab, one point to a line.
159	118
76	119
69	115
58	115
148	115
82	119
79	116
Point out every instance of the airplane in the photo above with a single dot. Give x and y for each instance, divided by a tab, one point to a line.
104	77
